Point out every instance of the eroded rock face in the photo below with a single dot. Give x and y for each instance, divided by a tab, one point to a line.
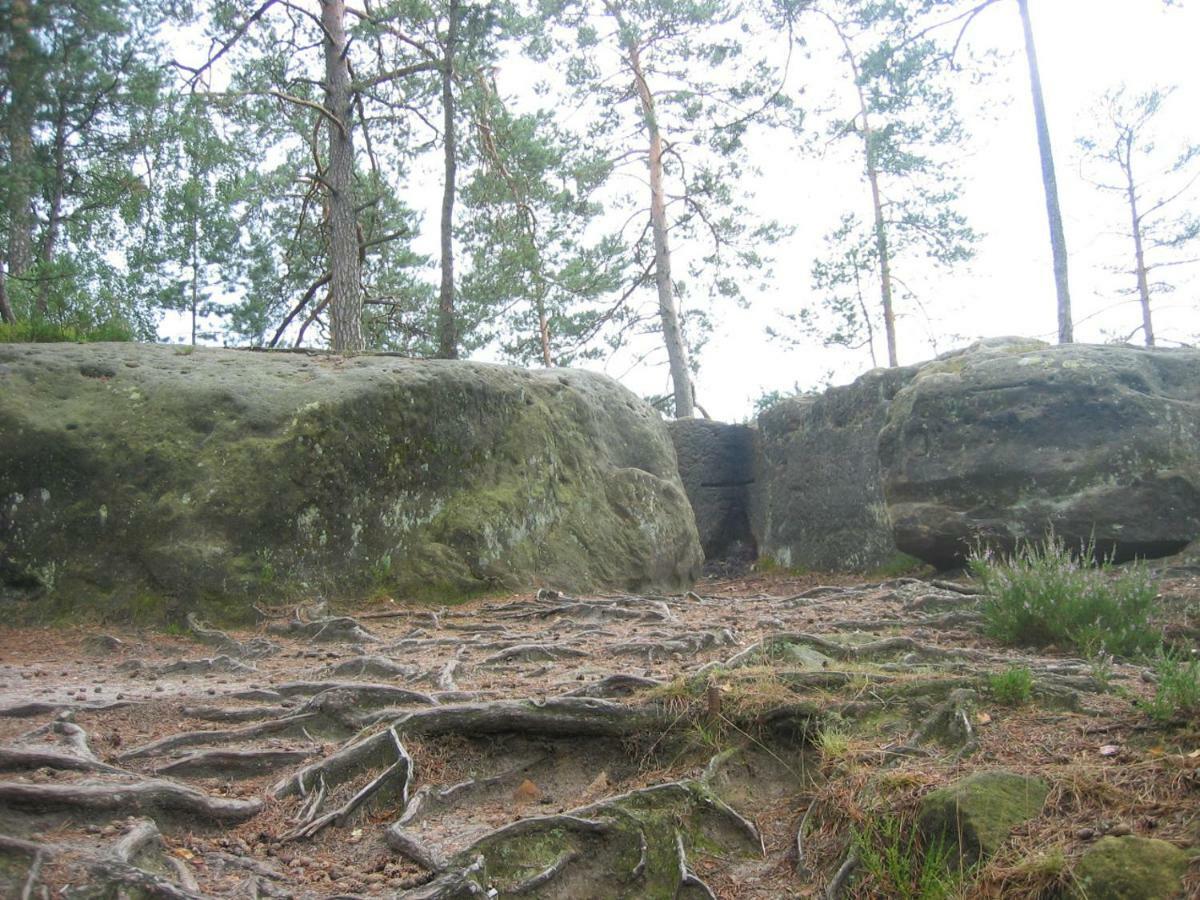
716	464
134	476
1008	439
817	500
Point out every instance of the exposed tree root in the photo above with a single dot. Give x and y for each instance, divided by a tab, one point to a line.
138	796
18	759
255	648
233	763
772	646
684	645
533	653
336	629
371	666
203	666
654	826
610	686
293	724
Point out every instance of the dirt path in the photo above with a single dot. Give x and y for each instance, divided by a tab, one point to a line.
724	743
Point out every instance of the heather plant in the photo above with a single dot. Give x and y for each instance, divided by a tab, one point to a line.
1046	593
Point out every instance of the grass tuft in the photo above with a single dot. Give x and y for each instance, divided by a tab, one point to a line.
1177	694
1013	686
897	865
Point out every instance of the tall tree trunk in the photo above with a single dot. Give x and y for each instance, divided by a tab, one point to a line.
1058	241
19	128
668	310
447	320
6	311
1139	254
195	286
881	245
54	218
882	249
345	284
544	330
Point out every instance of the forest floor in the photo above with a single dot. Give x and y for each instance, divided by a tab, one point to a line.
728	743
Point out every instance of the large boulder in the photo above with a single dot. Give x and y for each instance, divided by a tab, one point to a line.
1009	439
817	500
716	463
153	478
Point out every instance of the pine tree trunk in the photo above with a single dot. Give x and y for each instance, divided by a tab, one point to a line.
668	310
19	128
54	219
1058	241
1139	251
447	320
6	311
345	288
881	248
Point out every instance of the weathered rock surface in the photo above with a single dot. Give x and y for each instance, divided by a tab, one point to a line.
1131	868
817	500
716	464
976	813
1008	439
139	476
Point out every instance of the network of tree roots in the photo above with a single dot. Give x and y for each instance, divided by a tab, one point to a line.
726	743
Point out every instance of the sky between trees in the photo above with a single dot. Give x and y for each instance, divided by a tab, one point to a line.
571	182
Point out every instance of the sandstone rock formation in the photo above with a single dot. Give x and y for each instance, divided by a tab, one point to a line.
817	498
1008	439
142	477
716	463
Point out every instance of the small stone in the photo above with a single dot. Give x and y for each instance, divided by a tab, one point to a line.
1086	834
1120	830
1130	868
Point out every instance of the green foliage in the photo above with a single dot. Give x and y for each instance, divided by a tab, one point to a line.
901	122
894	862
1177	692
1046	594
79	85
30	332
1013	686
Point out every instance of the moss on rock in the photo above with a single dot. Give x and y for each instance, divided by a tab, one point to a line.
976	813
1130	868
134	477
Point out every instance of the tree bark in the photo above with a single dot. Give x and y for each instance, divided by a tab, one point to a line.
1058	241
54	217
1139	256
20	140
6	311
882	249
447	320
345	284
881	241
668	310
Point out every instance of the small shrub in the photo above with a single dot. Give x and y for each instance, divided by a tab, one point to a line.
1044	594
894	862
27	332
1013	686
1177	694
